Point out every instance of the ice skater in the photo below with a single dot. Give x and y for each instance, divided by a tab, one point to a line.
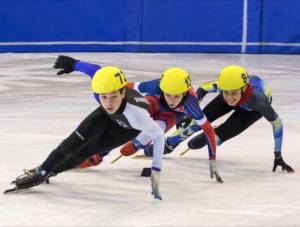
122	116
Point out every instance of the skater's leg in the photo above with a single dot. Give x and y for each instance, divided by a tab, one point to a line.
239	121
114	137
95	124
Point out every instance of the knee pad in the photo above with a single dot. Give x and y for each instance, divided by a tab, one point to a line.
94	160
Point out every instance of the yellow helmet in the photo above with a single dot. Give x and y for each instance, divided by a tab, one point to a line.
233	77
175	81
108	79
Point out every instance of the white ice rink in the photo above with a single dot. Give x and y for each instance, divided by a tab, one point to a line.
39	109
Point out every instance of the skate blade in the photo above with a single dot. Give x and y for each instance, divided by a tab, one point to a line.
141	156
13	190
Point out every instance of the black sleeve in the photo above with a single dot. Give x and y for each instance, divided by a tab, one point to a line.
259	102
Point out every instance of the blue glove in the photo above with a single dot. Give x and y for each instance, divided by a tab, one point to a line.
155	180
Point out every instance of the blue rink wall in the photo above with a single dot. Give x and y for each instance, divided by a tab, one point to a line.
208	26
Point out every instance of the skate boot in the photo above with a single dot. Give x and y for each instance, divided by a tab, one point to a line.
26	171
31	178
32	170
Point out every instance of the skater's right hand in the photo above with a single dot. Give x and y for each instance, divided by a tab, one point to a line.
213	171
184	122
155	180
65	63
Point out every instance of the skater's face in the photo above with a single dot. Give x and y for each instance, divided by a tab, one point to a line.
111	102
232	97
173	100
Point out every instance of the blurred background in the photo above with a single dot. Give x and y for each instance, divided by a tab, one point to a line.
209	26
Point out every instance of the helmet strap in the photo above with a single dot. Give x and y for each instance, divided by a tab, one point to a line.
122	90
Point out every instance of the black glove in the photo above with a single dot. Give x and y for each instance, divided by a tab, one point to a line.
169	148
148	151
201	93
278	161
65	63
184	122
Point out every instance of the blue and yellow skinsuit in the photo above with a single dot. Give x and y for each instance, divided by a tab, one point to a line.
159	110
254	104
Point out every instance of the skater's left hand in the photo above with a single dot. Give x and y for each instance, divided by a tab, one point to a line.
155	180
213	171
278	161
184	122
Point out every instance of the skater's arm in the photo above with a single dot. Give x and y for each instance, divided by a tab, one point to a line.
259	102
140	119
86	68
68	64
147	87
199	122
194	111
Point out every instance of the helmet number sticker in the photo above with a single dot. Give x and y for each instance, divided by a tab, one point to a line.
188	81
119	74
245	78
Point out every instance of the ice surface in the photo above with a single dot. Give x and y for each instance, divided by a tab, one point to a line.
39	109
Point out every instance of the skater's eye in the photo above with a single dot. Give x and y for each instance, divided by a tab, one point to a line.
173	96
109	97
